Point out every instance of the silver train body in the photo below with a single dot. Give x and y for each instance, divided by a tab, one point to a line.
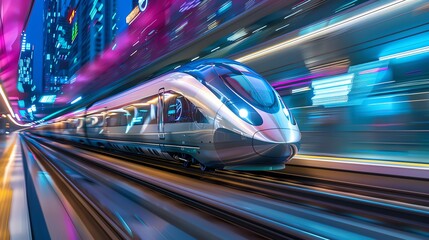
216	113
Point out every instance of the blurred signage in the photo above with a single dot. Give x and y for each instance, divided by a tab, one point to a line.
133	14
74	32
143	4
71	16
332	91
47	99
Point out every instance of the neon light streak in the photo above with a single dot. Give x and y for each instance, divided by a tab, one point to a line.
301	4
328	29
259	29
343	88
16	123
374	70
6	101
303	89
214	49
280	28
406	54
293	14
76	100
330	95
133	53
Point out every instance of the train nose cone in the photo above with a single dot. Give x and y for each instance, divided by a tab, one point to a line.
274	143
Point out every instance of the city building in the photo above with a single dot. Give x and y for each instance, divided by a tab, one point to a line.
75	32
50	16
26	84
56	45
62	48
94	25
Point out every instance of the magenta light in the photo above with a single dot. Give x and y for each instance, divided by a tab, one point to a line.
374	70
293	85
13	19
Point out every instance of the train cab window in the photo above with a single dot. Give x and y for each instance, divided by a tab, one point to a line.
177	109
247	84
197	116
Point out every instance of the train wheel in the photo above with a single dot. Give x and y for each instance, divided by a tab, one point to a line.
204	168
187	164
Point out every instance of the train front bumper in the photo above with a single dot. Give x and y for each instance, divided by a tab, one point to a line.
266	150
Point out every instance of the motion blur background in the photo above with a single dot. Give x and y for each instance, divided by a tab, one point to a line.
353	72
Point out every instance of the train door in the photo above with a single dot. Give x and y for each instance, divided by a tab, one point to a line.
160	113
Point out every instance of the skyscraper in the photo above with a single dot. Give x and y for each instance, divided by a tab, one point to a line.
93	28
25	70
99	19
62	48
56	45
50	19
26	84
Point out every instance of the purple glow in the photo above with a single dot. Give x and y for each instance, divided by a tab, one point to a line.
306	83
189	5
153	30
13	17
71	231
374	70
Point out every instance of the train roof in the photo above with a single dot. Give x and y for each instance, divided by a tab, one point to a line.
209	61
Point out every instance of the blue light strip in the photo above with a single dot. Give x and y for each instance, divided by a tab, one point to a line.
76	100
406	54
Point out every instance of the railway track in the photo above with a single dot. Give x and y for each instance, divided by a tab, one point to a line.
370	205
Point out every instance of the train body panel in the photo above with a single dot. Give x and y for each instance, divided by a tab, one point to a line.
218	113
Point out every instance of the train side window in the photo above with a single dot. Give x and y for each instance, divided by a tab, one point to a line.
178	109
80	123
142	115
118	118
144	111
183	109
197	116
130	114
112	120
124	117
94	120
170	108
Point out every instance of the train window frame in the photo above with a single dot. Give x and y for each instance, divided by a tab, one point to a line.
140	117
243	84
185	114
120	115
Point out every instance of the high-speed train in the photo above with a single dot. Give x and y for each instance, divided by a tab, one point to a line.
217	113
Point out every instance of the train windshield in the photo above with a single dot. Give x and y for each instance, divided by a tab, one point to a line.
246	83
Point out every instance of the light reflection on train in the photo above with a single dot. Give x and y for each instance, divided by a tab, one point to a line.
216	113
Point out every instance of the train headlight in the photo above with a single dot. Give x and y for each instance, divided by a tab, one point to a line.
243	113
246	113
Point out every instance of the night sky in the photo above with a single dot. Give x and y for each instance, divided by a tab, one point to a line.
35	33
